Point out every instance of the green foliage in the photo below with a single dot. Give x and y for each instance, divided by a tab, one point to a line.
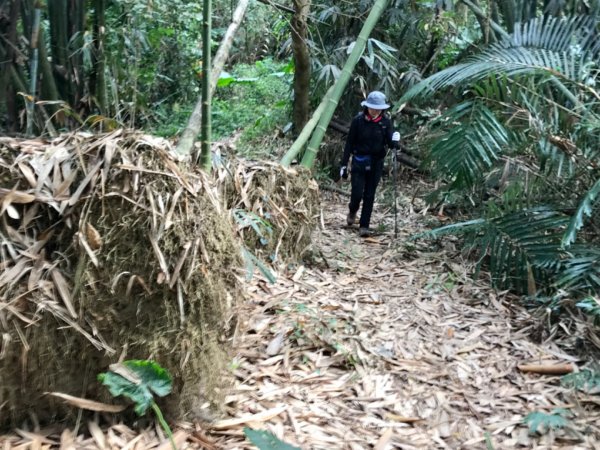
252	262
473	140
591	306
261	227
585	209
139	381
587	380
581	270
521	144
255	99
266	441
524	245
152	380
542	422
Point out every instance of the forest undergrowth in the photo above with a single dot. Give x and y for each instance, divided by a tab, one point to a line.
390	343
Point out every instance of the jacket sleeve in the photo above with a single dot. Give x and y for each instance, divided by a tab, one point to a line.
350	142
387	139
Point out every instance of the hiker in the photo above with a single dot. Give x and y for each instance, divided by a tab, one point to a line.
371	132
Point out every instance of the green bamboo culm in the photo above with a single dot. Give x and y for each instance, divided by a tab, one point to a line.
33	64
205	154
304	135
359	46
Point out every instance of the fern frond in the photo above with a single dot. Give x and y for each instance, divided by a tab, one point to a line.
519	246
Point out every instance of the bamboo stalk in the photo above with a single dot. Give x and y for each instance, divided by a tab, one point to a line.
306	131
184	147
340	85
205	156
33	64
546	369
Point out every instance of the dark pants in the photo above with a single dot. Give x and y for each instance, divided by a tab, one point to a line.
364	185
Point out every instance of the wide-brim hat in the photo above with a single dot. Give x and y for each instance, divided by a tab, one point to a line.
375	100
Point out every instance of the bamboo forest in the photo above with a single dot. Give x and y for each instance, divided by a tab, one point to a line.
284	224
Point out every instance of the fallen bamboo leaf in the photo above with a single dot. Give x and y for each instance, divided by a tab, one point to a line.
64	291
384	440
260	417
89	405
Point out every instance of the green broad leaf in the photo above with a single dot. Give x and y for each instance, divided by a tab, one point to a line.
225	79
542	422
147	379
267	441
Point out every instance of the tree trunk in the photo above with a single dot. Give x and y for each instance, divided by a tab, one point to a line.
205	155
301	64
186	142
340	85
485	21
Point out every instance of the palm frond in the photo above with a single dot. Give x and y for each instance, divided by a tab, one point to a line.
585	209
520	248
565	48
474	141
581	272
559	34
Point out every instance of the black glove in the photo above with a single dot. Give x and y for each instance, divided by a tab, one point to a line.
344	172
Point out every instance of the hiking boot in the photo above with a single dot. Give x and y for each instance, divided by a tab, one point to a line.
350	219
364	232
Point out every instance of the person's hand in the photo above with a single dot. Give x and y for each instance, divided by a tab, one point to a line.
344	172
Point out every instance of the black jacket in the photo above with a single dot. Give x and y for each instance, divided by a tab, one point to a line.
368	138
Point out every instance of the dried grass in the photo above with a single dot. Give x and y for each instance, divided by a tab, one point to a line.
282	203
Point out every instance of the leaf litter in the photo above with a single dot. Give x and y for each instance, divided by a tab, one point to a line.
378	344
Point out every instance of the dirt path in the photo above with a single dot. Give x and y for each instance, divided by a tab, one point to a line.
379	345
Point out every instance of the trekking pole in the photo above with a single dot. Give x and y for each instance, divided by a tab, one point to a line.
395	182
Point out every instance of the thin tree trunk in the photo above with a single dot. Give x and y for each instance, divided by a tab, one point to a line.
98	75
302	138
301	64
58	15
8	93
77	26
205	155
49	89
186	142
340	85
33	67
484	21
508	10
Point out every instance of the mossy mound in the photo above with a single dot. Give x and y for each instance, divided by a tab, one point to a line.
275	208
110	251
